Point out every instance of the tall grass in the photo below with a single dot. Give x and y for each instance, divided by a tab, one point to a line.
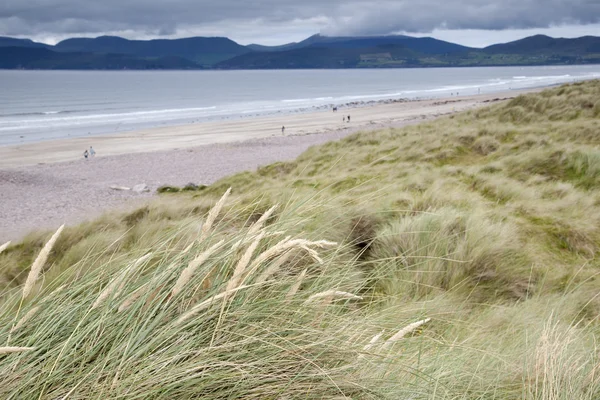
456	259
242	336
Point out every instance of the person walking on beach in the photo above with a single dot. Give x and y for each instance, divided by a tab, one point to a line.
348	118
85	154
344	118
283	130
92	152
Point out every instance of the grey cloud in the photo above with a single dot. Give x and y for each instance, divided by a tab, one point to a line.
160	17
426	15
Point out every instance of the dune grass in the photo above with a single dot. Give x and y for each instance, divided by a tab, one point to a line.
465	268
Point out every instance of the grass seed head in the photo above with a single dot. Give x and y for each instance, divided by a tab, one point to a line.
333	295
296	286
212	215
187	274
38	264
404	331
4	246
24	319
10	350
274	267
243	263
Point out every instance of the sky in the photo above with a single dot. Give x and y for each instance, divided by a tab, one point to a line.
476	23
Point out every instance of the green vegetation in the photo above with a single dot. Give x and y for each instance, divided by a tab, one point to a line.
398	56
108	52
42	58
487	222
409	52
203	51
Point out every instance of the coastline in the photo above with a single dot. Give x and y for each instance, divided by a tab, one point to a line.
45	184
364	116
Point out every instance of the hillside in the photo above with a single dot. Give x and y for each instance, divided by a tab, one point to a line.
316	51
401	52
201	50
421	45
41	58
465	266
321	57
545	45
12	42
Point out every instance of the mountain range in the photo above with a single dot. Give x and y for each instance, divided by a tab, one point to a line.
399	51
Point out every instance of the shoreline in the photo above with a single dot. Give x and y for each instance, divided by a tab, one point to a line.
44	185
364	116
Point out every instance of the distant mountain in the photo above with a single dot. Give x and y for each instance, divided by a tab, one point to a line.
541	44
41	58
323	57
425	45
201	50
403	51
12	42
317	51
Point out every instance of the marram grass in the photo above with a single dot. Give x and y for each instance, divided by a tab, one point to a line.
486	224
117	331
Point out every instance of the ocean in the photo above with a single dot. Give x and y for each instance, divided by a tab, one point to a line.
44	105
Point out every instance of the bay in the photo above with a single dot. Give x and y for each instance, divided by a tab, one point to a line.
44	105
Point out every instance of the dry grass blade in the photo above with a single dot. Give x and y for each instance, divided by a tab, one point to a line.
313	253
36	267
212	215
247	237
287	244
55	292
187	274
274	251
4	246
135	264
323	244
118	283
261	221
111	288
206	303
404	331
106	292
10	350
141	260
294	289
333	295
274	267
24	319
242	264
371	343
188	248
131	299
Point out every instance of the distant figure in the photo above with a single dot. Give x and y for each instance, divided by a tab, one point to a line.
283	130
86	154
479	91
92	152
348	118
344	118
334	109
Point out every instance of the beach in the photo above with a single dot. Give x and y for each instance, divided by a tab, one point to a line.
45	184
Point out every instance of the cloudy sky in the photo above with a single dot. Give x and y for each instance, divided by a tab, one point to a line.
470	22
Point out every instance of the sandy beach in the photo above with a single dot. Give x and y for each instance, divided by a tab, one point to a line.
45	184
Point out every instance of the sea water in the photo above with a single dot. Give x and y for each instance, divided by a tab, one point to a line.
44	105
